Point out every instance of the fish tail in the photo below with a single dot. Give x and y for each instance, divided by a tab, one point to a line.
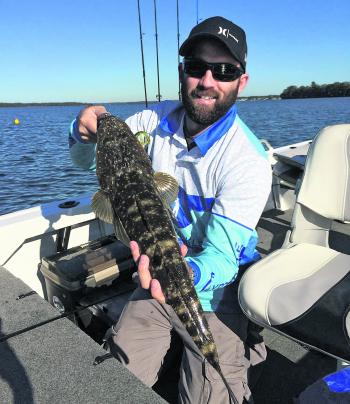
233	398
206	345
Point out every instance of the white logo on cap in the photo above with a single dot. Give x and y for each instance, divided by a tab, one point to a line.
226	32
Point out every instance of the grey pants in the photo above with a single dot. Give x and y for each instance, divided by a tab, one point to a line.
141	339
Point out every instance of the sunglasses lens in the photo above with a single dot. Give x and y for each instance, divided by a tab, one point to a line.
195	68
221	71
226	72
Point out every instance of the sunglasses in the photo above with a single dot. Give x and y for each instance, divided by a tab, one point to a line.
220	71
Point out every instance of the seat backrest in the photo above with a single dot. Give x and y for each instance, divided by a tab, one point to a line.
324	195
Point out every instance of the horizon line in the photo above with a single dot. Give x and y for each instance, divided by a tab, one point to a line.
5	103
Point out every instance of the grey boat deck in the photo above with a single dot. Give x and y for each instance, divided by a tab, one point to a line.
48	359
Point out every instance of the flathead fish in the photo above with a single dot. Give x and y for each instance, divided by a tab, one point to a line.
128	182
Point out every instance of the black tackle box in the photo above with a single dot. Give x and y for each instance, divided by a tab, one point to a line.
88	274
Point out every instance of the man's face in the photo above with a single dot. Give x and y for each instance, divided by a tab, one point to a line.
205	99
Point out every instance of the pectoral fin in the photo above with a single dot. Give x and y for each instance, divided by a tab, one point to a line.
102	207
167	187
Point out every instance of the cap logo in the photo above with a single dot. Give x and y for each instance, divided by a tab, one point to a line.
226	32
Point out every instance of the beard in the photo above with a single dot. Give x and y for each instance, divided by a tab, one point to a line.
202	114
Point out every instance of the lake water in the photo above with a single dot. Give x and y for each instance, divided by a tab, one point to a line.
36	167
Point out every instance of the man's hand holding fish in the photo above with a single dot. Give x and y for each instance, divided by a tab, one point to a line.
87	122
144	273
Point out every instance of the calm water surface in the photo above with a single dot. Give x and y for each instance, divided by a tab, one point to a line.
36	167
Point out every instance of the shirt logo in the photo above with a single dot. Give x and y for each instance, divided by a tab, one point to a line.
176	207
226	32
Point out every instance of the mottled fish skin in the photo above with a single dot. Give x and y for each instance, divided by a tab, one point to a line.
126	175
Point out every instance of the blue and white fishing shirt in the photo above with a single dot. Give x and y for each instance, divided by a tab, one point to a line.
224	185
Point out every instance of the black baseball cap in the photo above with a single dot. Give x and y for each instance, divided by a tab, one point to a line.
230	34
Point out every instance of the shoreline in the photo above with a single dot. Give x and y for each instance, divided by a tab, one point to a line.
69	104
75	103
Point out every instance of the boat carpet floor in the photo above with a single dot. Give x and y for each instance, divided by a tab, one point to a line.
52	362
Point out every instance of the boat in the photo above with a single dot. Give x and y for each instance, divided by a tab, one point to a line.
51	343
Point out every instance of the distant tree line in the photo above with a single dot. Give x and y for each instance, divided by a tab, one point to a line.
39	104
316	90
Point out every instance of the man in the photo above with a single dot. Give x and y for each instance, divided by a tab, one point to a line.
224	181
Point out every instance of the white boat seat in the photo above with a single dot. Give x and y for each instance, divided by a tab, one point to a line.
303	289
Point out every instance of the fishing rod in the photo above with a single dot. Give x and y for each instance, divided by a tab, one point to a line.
143	60
178	43
156	35
197	11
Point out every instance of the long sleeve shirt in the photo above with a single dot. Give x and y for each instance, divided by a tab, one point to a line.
224	183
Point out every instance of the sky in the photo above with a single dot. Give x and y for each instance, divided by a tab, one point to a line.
89	50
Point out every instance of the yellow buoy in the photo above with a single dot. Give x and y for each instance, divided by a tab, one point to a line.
16	121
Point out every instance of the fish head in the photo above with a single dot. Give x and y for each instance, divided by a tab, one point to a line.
112	151
120	157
